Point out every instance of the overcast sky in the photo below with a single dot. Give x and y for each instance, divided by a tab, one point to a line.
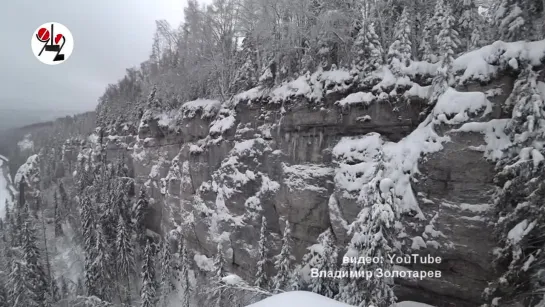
109	36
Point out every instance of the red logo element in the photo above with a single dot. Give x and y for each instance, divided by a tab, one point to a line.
43	35
58	38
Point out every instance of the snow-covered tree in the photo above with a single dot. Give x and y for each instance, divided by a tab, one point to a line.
246	76
262	280
367	49
283	261
184	268
521	190
148	290
323	257
141	209
373	235
448	42
18	292
57	217
34	273
399	54
167	272
514	20
469	24
218	295
124	251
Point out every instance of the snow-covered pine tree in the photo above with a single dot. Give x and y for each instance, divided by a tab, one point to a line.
429	47
34	273
57	216
148	290
323	257
295	282
373	236
448	42
63	198
283	262
141	209
399	54
88	236
521	190
514	20
18	292
425	49
262	280
184	268
367	49
101	266
246	76
167	273
124	251
219	266
469	25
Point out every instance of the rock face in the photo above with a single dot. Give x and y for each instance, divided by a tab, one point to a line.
216	176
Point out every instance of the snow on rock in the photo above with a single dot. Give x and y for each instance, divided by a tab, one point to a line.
299	177
486	62
520	230
166	119
336	80
494	136
359	157
249	95
6	197
30	170
298	299
335	214
418	243
357	98
423	92
204	263
233	280
459	105
387	79
207	108
298	87
222	124
423	68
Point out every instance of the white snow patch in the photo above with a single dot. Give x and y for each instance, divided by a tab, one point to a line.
298	299
418	243
207	107
494	136
423	92
357	98
461	105
476	208
481	64
520	230
221	125
233	280
204	263
298	87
